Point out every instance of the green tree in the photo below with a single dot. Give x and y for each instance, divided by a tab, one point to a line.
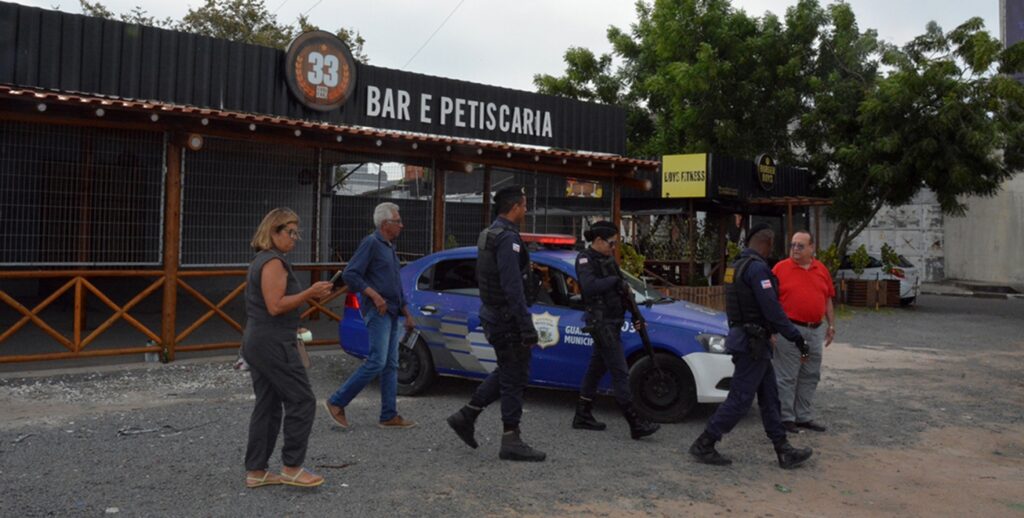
245	21
873	122
701	76
888	121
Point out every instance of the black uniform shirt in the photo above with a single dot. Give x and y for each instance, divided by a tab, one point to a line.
510	251
595	284
765	288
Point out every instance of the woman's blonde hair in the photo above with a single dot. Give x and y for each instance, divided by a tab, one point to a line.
274	221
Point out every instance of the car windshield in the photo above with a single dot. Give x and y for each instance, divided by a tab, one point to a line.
643	294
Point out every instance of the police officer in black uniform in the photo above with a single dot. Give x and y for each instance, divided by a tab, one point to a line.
603	291
507	289
752	305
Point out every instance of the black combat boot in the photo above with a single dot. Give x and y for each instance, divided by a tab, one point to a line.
638	426
703	449
513	448
584	419
464	424
790	457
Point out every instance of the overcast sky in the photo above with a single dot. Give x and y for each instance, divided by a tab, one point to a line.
506	42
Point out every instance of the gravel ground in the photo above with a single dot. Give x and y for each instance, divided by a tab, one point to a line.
168	440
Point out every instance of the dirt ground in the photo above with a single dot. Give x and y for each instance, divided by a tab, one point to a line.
925	409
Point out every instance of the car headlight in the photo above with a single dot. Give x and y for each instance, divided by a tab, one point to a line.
712	343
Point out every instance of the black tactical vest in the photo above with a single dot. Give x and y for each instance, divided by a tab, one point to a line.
740	304
610	303
487	276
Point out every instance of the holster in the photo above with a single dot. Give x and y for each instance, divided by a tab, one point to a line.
758	339
604	333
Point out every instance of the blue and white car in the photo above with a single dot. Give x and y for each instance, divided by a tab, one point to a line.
689	340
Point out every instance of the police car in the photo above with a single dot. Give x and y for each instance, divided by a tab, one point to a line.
441	288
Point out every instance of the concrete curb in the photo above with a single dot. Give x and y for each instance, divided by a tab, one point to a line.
974	294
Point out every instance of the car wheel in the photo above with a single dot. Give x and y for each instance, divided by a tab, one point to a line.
415	369
666	394
908	301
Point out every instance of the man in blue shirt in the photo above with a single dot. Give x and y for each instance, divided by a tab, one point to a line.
752	305
507	289
374	273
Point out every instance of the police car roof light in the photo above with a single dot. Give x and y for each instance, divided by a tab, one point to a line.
549	239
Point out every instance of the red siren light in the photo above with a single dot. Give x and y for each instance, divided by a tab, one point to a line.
549	239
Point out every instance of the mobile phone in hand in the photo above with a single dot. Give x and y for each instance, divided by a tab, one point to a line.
336	278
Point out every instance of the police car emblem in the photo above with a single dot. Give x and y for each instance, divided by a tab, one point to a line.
547	329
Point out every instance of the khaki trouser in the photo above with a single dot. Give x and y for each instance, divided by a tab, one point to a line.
798	381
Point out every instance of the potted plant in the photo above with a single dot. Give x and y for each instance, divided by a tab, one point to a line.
890	260
830	258
859	291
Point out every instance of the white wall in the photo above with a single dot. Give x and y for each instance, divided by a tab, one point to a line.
988	243
914	230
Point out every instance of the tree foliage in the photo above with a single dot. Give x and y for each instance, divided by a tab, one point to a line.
873	122
244	21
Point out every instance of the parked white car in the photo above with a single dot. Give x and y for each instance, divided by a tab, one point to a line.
905	272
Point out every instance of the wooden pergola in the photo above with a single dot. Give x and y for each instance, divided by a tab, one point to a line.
796	201
185	127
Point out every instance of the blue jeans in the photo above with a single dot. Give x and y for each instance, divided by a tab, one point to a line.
382	361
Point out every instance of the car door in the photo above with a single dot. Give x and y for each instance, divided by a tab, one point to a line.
564	349
447	309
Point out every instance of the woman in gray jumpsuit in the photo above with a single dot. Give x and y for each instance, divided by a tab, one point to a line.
272	300
603	291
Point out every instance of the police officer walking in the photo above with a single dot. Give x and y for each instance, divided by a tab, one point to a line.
603	291
752	305
507	290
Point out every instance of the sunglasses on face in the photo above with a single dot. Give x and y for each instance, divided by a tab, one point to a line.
797	246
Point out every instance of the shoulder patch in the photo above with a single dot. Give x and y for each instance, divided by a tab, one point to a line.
584	260
766	284
515	247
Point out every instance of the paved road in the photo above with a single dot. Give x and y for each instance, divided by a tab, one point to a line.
167	440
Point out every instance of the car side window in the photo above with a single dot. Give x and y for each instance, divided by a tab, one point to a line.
456	276
426	280
553	288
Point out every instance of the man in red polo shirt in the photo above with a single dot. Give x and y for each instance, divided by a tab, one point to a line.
805	291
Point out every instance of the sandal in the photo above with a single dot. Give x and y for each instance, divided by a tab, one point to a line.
268	479
293	480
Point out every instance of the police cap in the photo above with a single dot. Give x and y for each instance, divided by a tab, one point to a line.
506	198
754	230
601	229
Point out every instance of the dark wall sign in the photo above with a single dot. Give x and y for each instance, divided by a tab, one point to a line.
320	70
70	52
764	168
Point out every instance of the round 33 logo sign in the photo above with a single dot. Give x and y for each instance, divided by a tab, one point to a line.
320	70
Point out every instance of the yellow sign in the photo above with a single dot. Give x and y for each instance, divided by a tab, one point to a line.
684	176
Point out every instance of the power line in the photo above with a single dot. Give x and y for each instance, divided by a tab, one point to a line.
280	6
311	8
434	33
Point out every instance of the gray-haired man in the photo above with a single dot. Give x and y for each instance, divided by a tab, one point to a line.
373	272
